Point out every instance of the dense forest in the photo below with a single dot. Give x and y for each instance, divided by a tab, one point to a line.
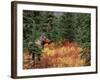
56	39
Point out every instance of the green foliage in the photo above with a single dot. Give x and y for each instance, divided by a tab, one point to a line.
82	34
57	26
77	27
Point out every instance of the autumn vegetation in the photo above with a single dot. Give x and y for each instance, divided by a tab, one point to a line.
56	39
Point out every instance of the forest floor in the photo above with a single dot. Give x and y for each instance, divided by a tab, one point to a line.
66	55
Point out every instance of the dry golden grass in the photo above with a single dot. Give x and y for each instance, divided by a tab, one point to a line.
66	54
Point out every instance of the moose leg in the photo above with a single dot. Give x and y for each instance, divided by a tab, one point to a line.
39	55
34	59
33	56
